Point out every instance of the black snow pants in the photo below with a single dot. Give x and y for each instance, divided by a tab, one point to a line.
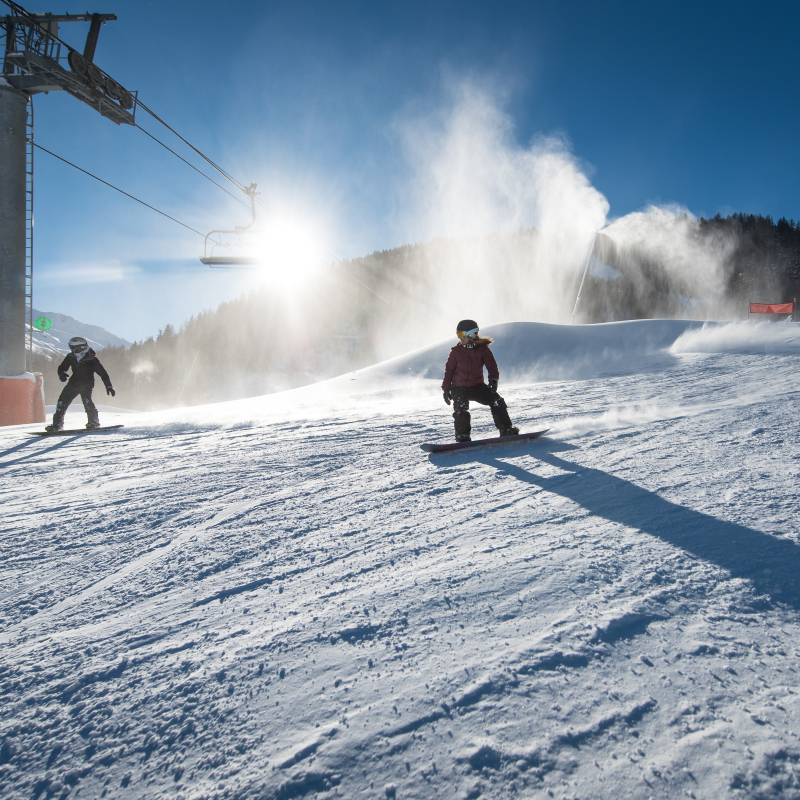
482	394
68	394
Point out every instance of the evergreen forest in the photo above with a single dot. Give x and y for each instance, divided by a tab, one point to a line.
360	311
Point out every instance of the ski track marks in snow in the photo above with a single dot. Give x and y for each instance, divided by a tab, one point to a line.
312	609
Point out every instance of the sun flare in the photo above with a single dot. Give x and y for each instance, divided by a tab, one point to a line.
289	251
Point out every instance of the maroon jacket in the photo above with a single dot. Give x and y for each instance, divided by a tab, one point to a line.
465	366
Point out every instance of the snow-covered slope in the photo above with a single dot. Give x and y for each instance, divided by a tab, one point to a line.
283	597
55	341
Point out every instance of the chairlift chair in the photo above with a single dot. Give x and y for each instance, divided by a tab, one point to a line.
232	261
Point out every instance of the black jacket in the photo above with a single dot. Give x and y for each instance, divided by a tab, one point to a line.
83	371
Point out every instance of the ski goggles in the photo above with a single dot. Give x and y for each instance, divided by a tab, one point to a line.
462	334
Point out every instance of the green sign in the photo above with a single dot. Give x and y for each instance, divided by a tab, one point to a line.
43	323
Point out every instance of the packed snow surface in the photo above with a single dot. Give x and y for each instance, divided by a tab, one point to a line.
284	597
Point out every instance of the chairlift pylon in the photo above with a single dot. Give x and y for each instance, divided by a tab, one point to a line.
232	261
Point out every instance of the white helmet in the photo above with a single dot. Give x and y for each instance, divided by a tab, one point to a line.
78	343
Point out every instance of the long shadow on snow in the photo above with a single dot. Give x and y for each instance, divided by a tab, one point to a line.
772	565
42	452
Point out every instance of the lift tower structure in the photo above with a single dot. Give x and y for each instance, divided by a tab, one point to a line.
36	60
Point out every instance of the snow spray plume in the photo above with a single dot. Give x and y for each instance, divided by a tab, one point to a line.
514	223
663	265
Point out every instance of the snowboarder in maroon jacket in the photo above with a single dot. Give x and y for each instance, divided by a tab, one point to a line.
463	381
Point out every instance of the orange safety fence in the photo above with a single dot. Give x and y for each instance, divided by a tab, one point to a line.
772	308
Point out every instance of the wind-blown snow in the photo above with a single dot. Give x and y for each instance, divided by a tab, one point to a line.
283	597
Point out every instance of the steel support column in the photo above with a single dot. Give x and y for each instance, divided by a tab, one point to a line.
13	119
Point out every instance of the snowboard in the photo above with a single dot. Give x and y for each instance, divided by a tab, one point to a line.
75	430
520	437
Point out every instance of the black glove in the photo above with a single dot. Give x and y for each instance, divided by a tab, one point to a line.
448	396
62	376
110	390
493	385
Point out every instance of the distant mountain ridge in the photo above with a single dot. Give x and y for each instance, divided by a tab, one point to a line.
55	341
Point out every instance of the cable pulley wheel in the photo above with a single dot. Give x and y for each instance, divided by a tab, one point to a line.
113	89
77	63
125	99
94	74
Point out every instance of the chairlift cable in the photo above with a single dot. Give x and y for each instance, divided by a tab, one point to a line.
163	214
86	172
202	155
233	180
219	169
32	20
166	147
243	188
17	9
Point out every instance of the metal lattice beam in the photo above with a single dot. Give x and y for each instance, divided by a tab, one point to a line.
50	73
33	56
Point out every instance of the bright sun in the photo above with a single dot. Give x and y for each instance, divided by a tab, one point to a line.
289	251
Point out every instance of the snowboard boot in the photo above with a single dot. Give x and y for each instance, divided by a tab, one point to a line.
463	423
501	419
52	428
92	425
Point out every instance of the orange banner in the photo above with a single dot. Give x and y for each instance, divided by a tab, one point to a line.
771	308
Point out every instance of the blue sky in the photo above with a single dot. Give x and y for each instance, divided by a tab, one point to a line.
673	102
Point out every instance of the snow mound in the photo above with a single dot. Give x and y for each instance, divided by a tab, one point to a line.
528	352
740	337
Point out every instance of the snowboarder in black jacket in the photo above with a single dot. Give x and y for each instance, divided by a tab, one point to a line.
84	363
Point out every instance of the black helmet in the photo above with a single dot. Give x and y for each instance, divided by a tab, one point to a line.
467	327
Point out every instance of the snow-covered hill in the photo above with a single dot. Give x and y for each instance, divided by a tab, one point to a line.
55	341
283	597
